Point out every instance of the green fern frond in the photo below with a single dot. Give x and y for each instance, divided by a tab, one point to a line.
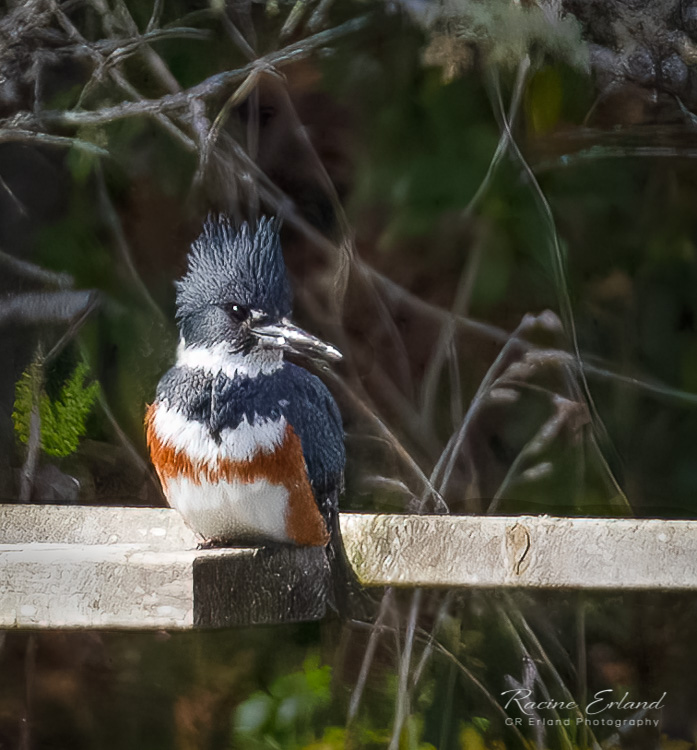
63	420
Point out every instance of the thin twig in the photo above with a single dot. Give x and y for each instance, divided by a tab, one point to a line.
242	92
237	37
155	16
8	135
125	441
294	18
118	78
73	328
121	243
117	50
210	87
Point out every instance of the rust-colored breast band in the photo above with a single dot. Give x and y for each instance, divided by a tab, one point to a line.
285	466
304	522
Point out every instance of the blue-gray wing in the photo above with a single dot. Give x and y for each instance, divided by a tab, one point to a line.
310	409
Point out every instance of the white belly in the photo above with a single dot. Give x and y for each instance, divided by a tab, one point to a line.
231	511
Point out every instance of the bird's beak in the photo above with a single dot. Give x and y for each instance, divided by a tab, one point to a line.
289	337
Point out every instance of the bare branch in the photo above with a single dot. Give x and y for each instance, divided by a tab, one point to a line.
319	15
156	15
8	135
294	19
210	87
43	307
123	84
36	273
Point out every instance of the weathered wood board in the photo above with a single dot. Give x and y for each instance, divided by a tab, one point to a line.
93	567
543	552
139	568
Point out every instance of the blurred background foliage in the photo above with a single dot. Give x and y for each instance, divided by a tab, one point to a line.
489	206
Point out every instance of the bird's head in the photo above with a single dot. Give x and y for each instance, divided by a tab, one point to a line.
235	297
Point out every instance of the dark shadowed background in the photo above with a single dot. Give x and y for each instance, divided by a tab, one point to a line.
490	208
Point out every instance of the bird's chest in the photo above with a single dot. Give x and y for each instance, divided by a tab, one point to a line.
245	482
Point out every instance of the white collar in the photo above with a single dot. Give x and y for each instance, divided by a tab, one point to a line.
218	358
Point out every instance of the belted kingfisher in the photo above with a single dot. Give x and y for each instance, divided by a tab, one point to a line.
248	447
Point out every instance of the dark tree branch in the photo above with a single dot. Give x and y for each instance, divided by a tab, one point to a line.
213	86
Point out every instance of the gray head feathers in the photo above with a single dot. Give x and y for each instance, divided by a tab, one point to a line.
241	266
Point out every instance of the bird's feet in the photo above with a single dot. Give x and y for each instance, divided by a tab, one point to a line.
210	544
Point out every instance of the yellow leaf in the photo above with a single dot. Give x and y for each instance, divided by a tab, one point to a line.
543	100
470	739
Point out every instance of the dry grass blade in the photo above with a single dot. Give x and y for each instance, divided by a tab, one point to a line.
517	625
402	702
467	674
369	655
564	411
384	431
591	366
431	380
558	265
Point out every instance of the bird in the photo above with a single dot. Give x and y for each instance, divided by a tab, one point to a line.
248	446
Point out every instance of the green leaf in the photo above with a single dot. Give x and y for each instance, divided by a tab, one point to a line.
63	420
252	715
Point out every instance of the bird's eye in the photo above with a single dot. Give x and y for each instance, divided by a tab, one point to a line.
237	312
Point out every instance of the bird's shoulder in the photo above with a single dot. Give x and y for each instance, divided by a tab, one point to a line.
288	392
187	391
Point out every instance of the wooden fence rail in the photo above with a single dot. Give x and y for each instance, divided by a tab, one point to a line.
139	568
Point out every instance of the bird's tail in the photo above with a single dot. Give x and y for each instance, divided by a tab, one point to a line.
347	597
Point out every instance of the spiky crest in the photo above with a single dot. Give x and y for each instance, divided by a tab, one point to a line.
243	266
